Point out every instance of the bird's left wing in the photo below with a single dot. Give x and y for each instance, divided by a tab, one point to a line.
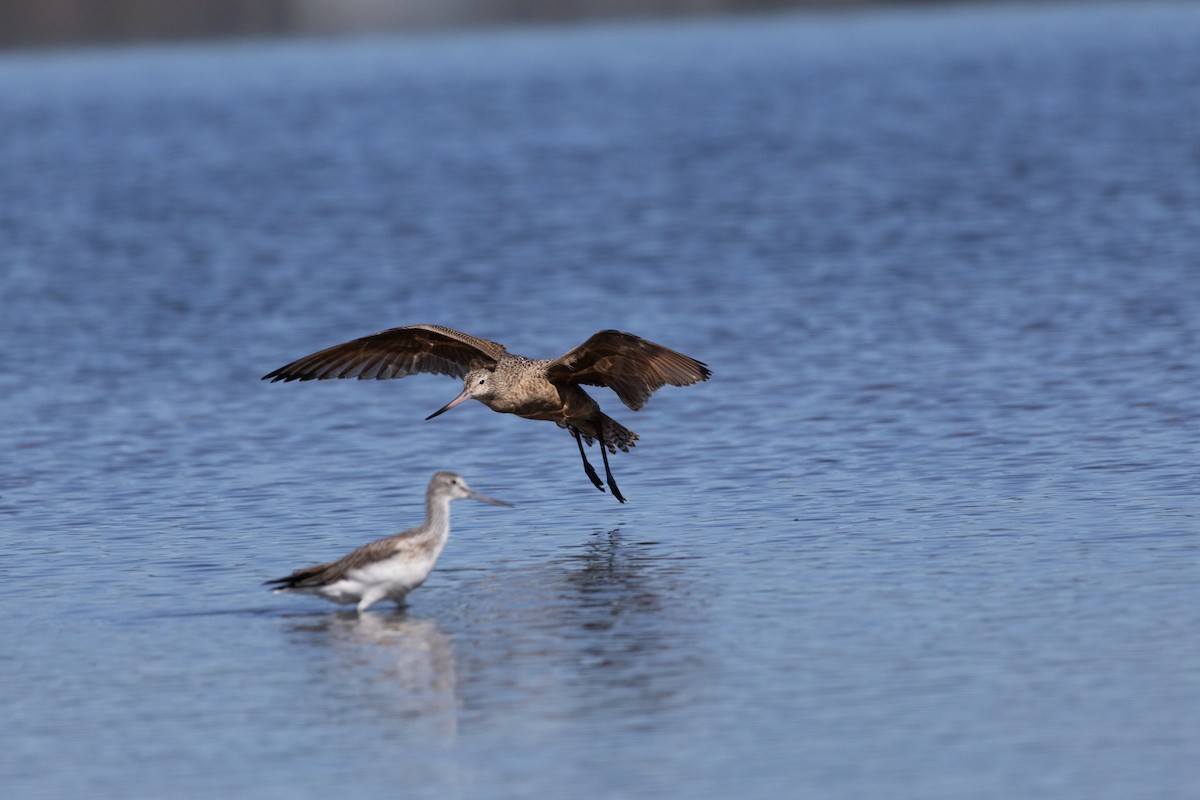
334	571
631	366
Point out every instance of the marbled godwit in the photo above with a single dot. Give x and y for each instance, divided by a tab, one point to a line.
390	568
632	367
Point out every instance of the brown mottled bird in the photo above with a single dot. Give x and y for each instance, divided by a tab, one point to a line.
535	389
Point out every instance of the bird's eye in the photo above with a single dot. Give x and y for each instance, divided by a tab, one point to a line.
482	381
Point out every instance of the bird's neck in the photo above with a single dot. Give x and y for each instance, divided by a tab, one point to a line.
437	512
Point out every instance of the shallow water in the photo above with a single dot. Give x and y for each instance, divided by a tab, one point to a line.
930	531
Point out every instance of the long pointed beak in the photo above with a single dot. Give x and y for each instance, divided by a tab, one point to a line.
464	396
483	498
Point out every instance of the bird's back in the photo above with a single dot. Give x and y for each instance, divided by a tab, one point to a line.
411	546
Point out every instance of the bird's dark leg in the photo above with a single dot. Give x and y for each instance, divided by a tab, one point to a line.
612	484
591	473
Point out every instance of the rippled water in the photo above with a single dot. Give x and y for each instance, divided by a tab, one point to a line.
930	531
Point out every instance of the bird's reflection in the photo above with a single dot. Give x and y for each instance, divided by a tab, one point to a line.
613	580
628	600
609	627
411	669
606	627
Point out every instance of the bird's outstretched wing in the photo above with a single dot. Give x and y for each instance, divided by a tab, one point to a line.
631	366
395	353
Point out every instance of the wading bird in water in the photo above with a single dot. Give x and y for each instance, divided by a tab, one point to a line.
390	568
535	389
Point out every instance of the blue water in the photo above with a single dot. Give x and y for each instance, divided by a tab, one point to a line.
931	531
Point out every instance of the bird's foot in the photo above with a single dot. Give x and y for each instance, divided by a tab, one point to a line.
612	484
591	473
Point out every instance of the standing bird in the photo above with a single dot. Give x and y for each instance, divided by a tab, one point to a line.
535	389
390	568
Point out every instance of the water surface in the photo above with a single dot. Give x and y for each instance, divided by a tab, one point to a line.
930	531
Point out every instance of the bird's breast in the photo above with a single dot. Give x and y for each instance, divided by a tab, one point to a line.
530	398
563	404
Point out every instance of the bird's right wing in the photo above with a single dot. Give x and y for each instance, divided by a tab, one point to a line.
395	353
631	366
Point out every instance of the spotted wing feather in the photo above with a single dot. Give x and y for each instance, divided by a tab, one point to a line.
395	353
631	366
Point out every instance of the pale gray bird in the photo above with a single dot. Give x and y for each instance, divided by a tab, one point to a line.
390	568
631	366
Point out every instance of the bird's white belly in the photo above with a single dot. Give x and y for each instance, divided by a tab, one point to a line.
393	577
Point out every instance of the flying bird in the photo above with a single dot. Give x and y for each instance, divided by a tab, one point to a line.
388	569
631	366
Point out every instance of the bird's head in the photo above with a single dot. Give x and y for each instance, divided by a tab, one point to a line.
451	485
476	384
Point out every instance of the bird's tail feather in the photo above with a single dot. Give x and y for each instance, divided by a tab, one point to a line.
616	435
